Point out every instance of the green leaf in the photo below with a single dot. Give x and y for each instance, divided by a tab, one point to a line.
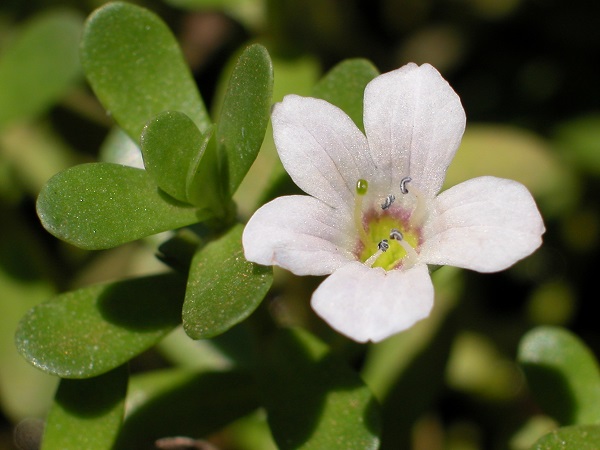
579	142
297	76
579	437
37	69
90	331
26	392
172	147
563	375
32	152
245	114
184	403
102	205
205	184
135	67
313	400
87	414
344	87
223	287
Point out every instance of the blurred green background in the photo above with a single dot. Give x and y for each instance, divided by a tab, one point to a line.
527	75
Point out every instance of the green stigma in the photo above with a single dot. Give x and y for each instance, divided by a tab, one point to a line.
362	186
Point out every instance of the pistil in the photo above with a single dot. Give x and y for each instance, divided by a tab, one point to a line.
362	186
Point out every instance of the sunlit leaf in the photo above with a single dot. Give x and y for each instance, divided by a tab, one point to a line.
92	330
578	437
40	65
34	152
87	414
244	114
579	142
205	184
181	351
102	205
296	76
344	86
172	145
26	392
563	375
223	287
313	400
184	403
135	66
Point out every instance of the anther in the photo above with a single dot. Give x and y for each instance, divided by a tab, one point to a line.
396	234
383	245
388	202
403	182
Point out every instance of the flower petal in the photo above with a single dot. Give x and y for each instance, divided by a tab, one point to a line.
300	234
484	224
370	304
321	148
414	122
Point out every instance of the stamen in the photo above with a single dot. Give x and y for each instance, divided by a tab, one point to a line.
411	257
420	210
403	182
396	234
388	202
383	245
382	248
369	262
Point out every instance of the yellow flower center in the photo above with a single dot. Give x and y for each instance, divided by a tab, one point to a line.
397	235
388	237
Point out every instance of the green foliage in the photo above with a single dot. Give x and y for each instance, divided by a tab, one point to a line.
579	142
562	374
92	330
99	206
244	115
173	148
451	382
26	392
87	413
199	403
136	68
102	205
344	85
223	288
580	437
313	399
31	77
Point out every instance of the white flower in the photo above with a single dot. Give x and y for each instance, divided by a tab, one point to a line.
373	219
